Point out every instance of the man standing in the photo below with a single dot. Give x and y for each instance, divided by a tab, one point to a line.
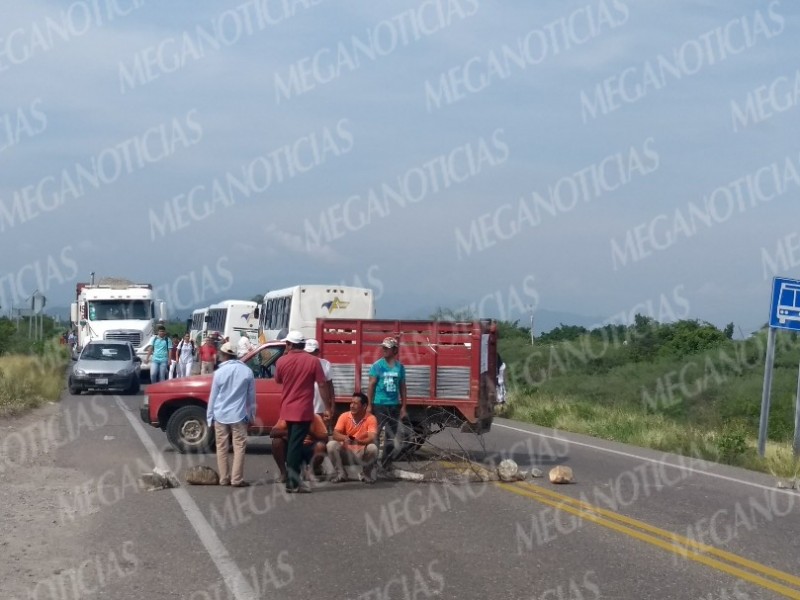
297	371
158	350
320	408
173	358
244	346
387	397
231	407
185	352
355	440
208	356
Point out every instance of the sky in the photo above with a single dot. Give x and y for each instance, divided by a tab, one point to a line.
572	160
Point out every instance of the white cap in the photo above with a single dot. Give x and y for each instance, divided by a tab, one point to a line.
312	345
294	337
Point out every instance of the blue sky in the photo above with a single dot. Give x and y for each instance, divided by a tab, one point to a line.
422	137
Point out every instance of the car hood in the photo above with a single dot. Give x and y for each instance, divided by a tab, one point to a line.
102	366
195	383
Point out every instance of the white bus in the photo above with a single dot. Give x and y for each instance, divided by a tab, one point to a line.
233	319
300	306
198	325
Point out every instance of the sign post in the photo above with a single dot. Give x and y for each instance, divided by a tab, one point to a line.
784	313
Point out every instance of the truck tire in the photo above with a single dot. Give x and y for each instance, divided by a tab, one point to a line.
188	431
74	390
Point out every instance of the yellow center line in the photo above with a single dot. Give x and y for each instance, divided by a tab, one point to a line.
674	537
595	515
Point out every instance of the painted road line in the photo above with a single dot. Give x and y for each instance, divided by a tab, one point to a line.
674	537
235	581
670	546
651	460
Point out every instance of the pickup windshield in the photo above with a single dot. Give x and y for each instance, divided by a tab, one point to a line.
116	310
263	363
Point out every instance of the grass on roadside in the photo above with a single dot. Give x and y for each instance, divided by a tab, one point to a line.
29	381
629	425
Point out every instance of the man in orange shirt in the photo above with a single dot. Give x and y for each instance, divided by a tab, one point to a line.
313	446
355	441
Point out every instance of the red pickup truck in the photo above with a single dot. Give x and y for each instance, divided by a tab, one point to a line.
451	372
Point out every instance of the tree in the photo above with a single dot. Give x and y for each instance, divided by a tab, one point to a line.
729	330
449	314
258	299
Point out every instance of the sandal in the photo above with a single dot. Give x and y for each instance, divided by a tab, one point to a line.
338	478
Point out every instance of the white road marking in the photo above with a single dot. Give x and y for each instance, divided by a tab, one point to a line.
652	460
231	575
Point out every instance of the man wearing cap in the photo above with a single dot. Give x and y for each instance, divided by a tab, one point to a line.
231	408
387	396
320	408
297	371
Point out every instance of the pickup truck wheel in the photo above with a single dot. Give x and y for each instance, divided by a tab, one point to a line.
188	431
74	390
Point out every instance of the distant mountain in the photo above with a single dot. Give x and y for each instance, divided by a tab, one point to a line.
543	320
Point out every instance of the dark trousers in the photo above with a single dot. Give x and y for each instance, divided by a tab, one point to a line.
389	422
297	432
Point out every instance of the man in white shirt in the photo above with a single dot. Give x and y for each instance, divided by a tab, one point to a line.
312	347
244	346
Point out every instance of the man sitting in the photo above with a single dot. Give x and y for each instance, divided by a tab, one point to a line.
355	441
313	445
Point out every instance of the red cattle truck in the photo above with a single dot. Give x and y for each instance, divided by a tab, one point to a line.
451	370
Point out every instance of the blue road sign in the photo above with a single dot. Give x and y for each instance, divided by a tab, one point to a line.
785	310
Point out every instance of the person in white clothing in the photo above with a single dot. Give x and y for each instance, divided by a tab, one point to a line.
244	346
185	355
312	347
501	381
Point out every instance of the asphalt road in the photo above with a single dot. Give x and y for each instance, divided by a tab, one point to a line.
636	524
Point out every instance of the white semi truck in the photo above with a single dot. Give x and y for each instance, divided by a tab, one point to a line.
116	310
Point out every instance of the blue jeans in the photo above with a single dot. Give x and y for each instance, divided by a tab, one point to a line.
388	416
158	372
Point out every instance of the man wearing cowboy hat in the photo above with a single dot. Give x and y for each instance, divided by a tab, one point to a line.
231	408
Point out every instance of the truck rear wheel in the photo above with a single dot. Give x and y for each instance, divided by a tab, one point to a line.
188	430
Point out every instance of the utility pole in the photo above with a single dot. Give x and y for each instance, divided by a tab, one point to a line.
531	309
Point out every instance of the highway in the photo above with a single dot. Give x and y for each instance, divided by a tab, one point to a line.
636	524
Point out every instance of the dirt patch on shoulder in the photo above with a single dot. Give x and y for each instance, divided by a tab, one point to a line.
37	544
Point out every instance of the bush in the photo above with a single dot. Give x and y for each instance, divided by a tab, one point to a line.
29	381
732	442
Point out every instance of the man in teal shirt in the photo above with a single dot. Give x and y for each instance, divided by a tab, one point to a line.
158	349
387	397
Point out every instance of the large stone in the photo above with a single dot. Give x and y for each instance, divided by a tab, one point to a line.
508	470
159	479
561	474
201	475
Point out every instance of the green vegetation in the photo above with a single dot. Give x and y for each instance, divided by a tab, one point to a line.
683	387
31	372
